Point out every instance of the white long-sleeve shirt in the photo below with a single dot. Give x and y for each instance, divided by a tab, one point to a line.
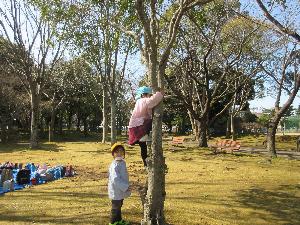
118	180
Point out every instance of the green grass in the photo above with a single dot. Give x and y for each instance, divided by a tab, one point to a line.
202	188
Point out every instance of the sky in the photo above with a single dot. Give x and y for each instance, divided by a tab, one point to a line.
136	69
268	102
258	104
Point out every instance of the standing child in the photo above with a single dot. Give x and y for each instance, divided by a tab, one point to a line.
118	184
140	123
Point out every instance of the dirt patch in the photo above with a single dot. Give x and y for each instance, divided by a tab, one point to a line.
90	173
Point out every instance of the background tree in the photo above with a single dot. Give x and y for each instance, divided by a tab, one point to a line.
90	30
22	25
284	72
212	70
289	7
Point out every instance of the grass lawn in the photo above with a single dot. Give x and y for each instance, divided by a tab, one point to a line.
201	188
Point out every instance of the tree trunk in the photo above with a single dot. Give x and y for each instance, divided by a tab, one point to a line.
70	114
42	129
3	133
272	126
85	127
60	124
51	125
194	125
105	119
154	204
232	127
78	123
271	140
35	103
113	132
202	124
228	128
196	130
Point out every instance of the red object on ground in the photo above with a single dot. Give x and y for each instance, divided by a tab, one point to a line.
33	181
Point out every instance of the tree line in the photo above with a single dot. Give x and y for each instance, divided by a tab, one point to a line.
65	58
55	69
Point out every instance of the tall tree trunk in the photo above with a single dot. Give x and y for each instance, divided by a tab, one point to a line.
202	124
60	124
51	125
85	127
113	132
272	126
3	133
42	128
192	121
78	123
35	104
70	114
196	130
228	127
105	119
232	127
154	202
154	205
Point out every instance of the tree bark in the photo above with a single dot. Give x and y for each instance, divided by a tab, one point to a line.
60	125
51	126
113	132
85	127
105	119
272	126
232	127
203	132
35	104
154	203
228	127
78	122
3	133
70	114
194	125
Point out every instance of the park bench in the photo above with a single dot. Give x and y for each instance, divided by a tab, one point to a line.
225	146
177	140
176	144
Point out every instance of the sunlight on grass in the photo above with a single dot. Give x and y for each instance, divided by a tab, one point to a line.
202	188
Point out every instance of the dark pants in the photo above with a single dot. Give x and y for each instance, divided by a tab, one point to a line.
116	206
144	154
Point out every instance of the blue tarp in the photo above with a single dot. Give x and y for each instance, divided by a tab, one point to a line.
56	171
16	187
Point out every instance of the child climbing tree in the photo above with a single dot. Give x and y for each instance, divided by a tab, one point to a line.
155	50
157	23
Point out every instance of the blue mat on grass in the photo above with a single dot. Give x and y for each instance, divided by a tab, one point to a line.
16	186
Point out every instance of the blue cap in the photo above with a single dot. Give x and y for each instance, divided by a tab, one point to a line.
143	90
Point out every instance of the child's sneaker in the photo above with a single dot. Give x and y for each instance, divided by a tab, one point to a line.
115	223
123	222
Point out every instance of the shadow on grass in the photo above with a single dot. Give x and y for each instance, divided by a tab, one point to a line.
283	204
82	218
16	147
67	201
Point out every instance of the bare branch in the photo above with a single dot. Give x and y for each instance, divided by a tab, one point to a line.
285	30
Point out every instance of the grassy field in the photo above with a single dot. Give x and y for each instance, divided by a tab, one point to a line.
202	188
